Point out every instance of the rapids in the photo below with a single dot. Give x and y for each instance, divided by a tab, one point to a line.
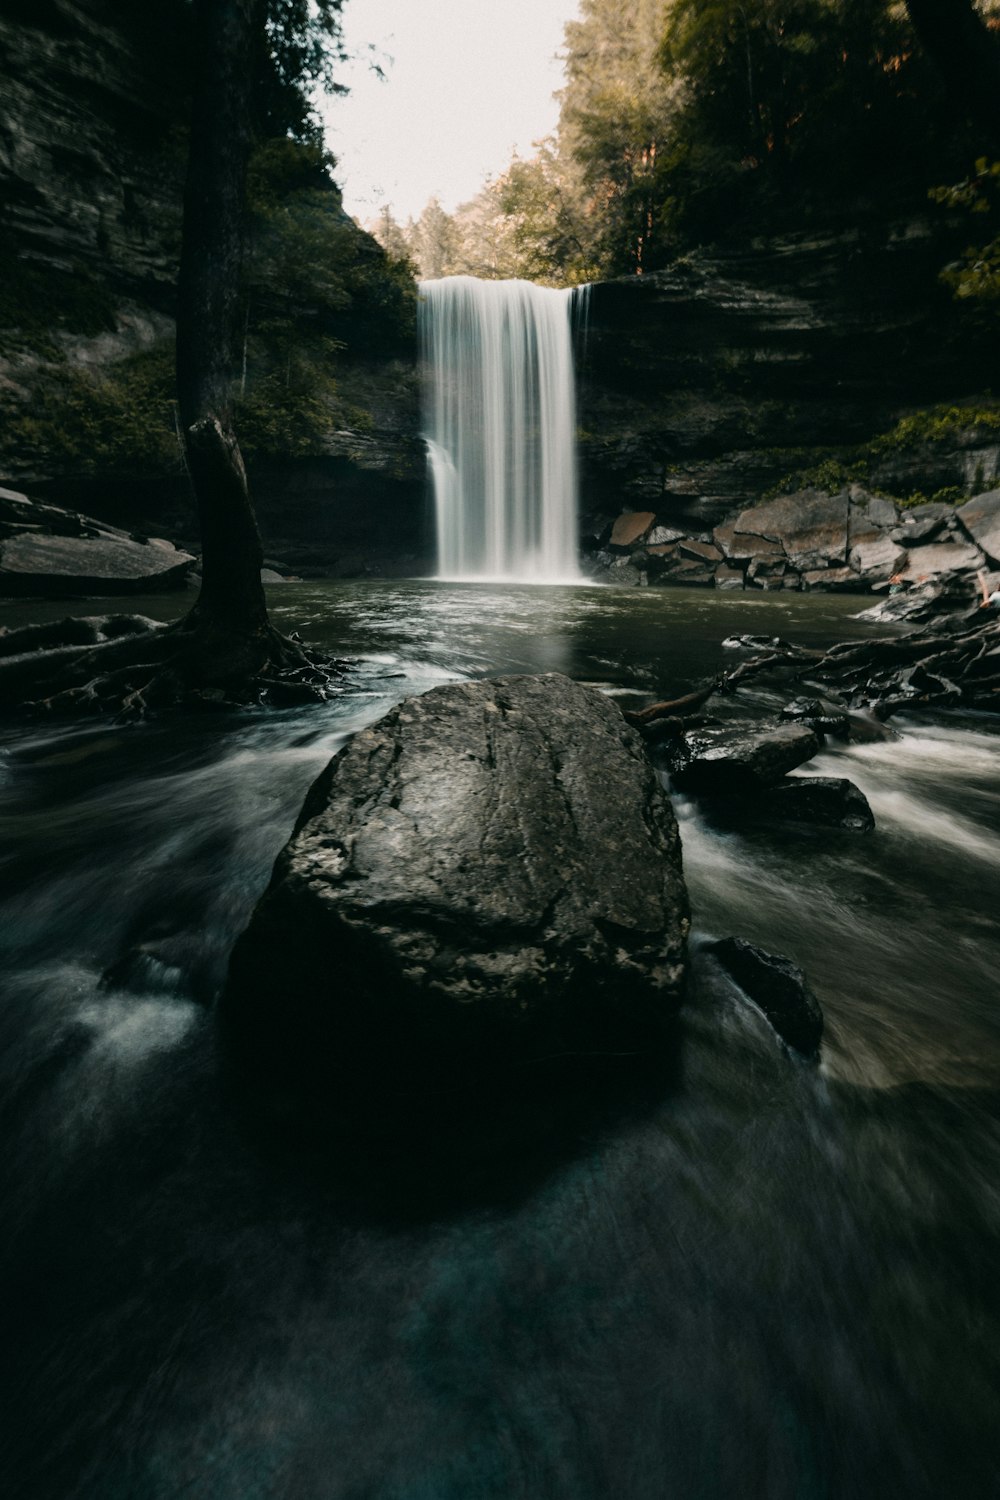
763	1280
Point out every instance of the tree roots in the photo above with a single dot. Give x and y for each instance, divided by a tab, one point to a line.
129	666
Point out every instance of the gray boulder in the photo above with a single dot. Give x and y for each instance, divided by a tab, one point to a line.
932	562
36	563
492	871
810	526
742	757
981	519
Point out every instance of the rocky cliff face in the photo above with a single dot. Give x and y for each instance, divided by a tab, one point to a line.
92	155
704	384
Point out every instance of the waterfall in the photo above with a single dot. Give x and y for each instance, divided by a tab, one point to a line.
500	424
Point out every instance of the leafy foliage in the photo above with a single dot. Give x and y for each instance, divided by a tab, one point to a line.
977	274
691	120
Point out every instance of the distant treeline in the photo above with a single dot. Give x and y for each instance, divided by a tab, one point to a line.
684	122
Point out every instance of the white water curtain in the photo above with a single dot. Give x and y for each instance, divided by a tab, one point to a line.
500	423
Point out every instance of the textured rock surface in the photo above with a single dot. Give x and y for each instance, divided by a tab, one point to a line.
745	757
491	869
828	801
981	519
810	527
45	550
701	377
32	564
777	987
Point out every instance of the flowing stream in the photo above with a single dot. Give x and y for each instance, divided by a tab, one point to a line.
770	1281
500	419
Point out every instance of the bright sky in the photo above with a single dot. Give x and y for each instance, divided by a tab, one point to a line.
467	81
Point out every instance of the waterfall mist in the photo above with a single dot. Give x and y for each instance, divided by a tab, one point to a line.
500	423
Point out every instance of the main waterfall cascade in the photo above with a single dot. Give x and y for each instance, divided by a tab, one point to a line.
500	424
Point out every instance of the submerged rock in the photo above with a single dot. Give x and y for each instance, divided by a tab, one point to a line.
777	988
492	871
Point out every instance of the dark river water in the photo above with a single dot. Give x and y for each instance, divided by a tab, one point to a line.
768	1281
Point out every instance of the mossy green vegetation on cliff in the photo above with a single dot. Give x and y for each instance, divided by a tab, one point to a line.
319	294
945	426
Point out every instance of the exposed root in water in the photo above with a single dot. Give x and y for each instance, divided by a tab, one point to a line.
130	666
886	676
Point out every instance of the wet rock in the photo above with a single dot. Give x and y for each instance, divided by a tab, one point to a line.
728	578
777	988
491	871
686	571
825	718
743	757
631	528
661	535
34	563
981	519
828	801
878	511
832	580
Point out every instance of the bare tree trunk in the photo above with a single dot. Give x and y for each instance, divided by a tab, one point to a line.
968	55
230	614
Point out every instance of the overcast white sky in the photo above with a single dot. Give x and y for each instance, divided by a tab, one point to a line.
466	82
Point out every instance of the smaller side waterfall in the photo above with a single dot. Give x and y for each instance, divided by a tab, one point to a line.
500	424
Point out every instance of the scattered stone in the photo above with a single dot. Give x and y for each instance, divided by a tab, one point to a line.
491	871
777	988
631	528
744	757
766	566
824	718
742	547
832	580
981	519
877	561
810	525
700	551
830	801
914	533
660	535
879	510
931	563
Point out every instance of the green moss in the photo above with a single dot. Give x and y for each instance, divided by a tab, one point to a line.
118	423
937	424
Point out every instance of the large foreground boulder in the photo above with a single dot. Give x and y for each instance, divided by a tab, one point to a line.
491	872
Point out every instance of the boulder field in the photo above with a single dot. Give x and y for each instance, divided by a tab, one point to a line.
852	542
